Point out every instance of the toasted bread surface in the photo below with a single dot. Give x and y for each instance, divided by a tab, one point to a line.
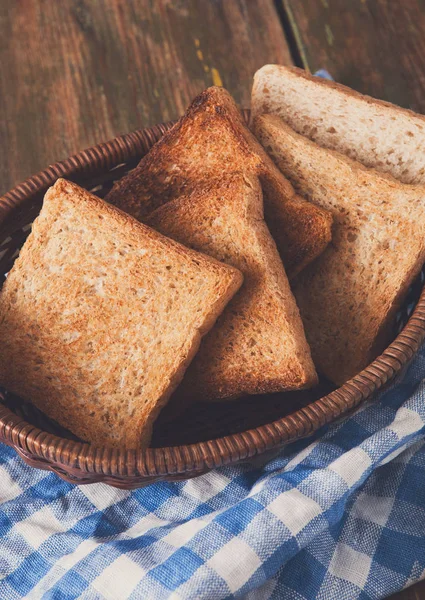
349	297
376	133
212	141
258	344
100	316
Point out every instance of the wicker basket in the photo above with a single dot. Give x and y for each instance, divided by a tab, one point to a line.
208	436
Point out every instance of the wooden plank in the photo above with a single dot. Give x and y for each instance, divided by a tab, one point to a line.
75	73
374	46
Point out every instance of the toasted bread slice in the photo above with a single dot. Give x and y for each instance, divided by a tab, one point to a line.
258	344
349	297
378	134
211	141
100	316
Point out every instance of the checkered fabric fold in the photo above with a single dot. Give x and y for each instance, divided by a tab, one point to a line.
339	516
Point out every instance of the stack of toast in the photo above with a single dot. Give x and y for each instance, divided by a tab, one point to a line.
360	159
231	261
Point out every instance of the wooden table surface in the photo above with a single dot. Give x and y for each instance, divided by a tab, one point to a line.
76	72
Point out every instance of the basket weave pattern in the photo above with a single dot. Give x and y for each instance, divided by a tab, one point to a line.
96	169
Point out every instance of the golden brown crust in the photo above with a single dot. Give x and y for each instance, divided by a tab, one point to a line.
210	125
300	249
87	317
210	140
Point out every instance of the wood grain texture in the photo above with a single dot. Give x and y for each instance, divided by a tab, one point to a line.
375	46
75	73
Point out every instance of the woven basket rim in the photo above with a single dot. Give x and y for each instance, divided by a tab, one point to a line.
102	462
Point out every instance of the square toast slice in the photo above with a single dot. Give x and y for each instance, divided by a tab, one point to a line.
258	344
376	133
101	315
349	297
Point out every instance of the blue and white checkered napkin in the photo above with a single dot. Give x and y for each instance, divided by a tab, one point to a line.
342	516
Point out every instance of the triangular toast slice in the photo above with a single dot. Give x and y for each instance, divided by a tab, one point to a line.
101	315
212	141
349	297
258	344
376	133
